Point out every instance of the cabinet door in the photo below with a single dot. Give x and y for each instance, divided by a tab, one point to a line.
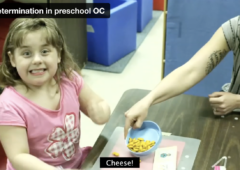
75	33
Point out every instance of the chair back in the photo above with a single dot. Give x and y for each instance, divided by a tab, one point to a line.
3	158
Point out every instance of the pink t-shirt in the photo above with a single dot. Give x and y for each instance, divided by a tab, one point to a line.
53	135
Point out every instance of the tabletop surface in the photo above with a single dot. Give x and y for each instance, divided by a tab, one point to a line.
186	116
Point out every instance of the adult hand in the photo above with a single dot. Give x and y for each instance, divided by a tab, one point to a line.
135	116
223	102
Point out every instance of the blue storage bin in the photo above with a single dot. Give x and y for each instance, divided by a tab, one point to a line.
144	14
145	10
113	38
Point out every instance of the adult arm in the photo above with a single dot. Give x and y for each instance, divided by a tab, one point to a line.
181	79
192	72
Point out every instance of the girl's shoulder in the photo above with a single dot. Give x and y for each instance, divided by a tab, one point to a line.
72	76
9	98
73	80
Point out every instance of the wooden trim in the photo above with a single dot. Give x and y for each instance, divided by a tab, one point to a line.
164	36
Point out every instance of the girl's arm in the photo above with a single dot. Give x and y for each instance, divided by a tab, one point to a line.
15	143
94	106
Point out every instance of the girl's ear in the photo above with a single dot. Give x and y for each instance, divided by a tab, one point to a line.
59	59
10	55
59	55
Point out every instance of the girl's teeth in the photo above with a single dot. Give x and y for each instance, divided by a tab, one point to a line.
37	71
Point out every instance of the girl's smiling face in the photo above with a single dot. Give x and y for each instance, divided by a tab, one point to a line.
35	60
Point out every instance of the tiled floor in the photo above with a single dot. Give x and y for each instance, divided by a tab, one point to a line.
143	72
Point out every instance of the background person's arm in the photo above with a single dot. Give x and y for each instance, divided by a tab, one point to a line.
181	79
189	74
15	143
192	72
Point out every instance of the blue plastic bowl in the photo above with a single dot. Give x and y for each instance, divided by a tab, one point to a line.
149	131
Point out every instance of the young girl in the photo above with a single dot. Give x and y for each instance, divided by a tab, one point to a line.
42	98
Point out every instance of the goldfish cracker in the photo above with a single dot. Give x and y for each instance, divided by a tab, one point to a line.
136	149
115	154
135	140
140	145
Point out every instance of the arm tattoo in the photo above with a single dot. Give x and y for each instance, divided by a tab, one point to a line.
214	60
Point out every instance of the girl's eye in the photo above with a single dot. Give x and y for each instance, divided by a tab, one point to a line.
26	53
45	51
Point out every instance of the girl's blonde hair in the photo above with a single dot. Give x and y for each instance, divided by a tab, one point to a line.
17	31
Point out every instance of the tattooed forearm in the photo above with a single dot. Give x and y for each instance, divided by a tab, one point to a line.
214	59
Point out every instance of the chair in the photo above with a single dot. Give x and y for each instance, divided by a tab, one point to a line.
3	158
113	38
